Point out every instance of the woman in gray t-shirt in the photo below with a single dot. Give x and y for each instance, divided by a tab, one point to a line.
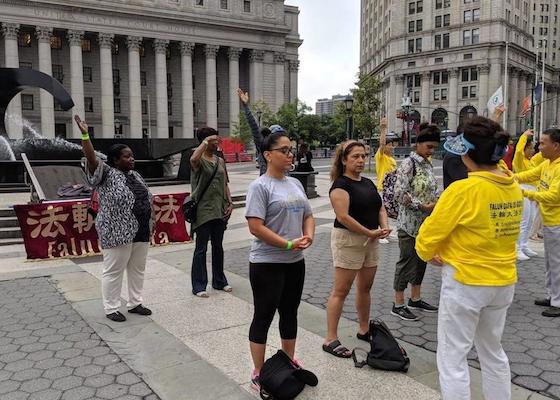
280	218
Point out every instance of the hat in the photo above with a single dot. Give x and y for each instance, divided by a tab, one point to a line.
277	129
458	145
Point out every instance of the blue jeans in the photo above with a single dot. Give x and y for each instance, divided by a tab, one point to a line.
213	231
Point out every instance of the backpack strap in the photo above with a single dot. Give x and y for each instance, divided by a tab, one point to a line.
359	364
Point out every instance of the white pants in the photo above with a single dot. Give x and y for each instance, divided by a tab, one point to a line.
552	263
470	314
530	211
132	258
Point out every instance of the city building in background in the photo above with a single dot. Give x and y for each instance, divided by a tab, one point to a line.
159	70
328	106
449	57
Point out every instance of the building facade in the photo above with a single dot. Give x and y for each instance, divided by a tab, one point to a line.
145	68
328	106
449	56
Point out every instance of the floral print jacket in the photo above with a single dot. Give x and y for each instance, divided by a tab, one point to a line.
416	184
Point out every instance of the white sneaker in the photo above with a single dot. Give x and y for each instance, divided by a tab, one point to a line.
521	256
383	241
530	253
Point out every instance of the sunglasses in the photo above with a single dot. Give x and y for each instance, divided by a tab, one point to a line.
284	150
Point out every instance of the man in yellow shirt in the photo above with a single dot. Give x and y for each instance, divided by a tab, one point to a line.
472	233
548	198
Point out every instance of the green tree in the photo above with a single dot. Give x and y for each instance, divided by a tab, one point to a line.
289	117
366	105
241	131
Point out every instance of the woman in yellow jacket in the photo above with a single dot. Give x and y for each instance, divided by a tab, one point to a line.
524	152
472	233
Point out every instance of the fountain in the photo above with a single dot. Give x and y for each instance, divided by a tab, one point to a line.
149	153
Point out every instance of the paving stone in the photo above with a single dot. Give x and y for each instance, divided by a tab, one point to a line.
88	370
79	361
100	380
116	369
128	379
79	393
35	385
8	386
27	374
112	391
17	395
58	372
140	389
531	341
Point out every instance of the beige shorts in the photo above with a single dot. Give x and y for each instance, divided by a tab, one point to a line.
350	250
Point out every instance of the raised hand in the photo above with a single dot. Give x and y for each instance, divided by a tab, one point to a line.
383	124
243	96
81	124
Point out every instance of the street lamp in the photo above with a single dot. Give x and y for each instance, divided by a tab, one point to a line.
406	108
259	116
348	104
118	127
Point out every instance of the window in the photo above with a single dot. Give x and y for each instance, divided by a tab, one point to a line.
465	92
476	15
447	20
86	45
436	95
467	56
144	107
56	42
57	72
419	6
25	39
143	80
117	105
416	97
411	46
472	91
60	130
224	4
439	21
115	48
476	36
419	25
442	41
26	65
439	4
412	64
199	2
411	8
411	26
467	39
247	6
467	17
469	74
444	94
415	26
418	45
88	104
438	60
27	102
117	76
87	74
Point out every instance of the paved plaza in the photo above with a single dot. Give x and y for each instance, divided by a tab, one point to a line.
193	348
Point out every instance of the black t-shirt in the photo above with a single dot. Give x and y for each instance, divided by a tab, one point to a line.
365	201
453	169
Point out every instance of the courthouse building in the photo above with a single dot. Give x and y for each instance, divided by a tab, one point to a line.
449	56
150	68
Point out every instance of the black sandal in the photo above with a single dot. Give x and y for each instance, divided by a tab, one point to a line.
363	336
337	349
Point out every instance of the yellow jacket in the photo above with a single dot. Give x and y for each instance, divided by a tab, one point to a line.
521	163
537	160
474	228
548	190
383	165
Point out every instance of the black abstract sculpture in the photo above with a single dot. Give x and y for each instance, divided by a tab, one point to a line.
14	80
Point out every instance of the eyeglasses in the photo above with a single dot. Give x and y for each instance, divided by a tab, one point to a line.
284	150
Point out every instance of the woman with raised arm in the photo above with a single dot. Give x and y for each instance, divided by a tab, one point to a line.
124	224
384	160
279	216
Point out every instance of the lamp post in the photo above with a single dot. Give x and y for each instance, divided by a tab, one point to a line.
406	108
259	116
118	127
348	104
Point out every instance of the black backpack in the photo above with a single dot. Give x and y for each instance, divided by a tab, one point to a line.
281	379
385	352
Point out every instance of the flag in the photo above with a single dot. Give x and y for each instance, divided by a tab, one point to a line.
538	93
496	100
526	106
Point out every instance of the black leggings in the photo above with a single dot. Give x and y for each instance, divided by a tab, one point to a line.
275	287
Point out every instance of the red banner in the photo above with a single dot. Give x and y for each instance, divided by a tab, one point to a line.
66	229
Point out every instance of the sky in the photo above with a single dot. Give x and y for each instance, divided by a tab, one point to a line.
330	53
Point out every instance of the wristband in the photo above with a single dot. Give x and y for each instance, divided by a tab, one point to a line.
290	245
85	136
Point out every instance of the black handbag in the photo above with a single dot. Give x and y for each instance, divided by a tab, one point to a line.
190	204
281	379
385	352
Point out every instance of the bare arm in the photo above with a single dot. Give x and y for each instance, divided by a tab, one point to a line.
309	229
383	135
87	147
340	201
260	231
197	155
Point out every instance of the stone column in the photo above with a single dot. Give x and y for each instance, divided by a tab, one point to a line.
293	68
107	100
391	107
399	93
187	50
513	101
279	63
160	47
425	111
44	35
76	76
233	55
134	88
452	115
483	71
211	51
522	94
11	57
555	110
256	72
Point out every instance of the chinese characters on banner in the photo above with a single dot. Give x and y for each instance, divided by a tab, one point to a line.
66	229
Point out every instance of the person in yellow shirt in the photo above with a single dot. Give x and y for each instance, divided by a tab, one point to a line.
524	152
548	198
472	234
384	160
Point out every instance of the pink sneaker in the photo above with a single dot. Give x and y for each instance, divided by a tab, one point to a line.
255	385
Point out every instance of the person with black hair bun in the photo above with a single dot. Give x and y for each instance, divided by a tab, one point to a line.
280	218
472	234
416	191
124	224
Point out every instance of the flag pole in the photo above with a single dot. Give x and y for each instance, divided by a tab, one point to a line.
506	92
543	93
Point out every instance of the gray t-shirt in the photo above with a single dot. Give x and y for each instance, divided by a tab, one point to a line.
283	206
